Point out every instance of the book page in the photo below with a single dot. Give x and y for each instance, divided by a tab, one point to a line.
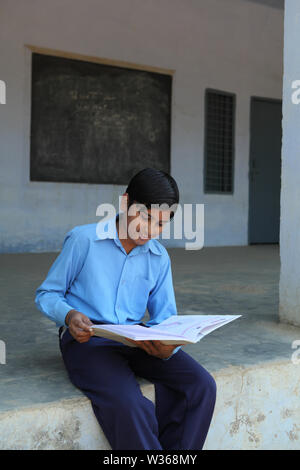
189	328
136	332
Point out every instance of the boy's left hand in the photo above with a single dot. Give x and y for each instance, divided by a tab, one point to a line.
155	347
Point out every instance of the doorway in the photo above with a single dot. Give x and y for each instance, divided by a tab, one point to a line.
264	170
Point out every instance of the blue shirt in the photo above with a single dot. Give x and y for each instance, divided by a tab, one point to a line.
94	275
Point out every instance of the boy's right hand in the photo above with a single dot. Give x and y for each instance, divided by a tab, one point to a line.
79	326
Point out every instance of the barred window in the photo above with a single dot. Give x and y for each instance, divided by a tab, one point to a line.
219	141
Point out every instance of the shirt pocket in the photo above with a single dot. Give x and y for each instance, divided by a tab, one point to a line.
139	295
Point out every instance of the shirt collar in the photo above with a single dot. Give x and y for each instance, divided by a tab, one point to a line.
108	229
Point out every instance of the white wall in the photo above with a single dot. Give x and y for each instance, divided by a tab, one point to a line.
232	45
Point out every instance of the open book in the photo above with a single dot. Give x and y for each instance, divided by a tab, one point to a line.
177	329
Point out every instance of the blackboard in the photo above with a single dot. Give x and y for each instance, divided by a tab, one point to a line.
96	123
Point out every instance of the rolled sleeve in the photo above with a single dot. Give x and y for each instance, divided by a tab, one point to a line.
50	295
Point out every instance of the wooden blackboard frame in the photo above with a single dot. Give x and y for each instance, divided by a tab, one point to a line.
99	60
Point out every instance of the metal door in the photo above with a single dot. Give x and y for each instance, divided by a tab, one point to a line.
265	170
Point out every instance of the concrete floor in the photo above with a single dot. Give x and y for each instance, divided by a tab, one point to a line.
230	280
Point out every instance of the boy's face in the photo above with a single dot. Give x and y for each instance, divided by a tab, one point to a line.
144	224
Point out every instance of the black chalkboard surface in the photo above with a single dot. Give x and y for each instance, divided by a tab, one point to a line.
95	123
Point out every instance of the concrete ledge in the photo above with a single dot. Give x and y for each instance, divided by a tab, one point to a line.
257	408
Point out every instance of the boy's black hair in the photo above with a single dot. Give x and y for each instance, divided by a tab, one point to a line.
151	186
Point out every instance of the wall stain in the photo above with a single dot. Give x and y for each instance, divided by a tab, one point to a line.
260	417
63	437
286	413
293	434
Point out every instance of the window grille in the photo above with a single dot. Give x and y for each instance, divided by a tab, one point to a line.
219	141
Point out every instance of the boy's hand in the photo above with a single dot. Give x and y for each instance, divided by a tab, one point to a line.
79	326
155	348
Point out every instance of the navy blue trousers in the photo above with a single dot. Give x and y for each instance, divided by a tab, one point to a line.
105	371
